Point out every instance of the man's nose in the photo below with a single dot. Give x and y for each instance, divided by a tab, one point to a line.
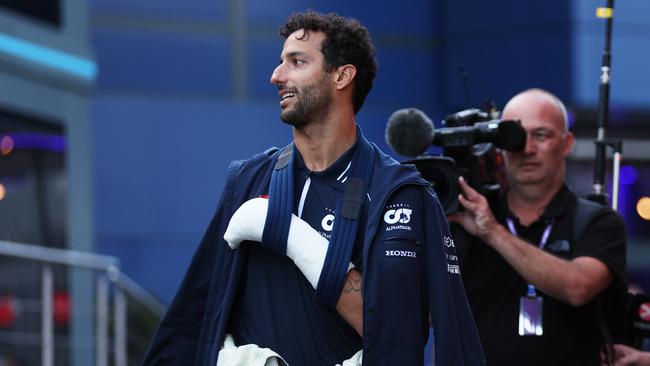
277	77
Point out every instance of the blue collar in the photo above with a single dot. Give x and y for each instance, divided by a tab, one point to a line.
335	175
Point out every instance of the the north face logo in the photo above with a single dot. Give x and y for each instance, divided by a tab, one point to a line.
401	215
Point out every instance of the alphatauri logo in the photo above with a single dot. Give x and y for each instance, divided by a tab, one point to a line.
401	215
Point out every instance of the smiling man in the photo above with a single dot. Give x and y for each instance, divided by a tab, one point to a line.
277	276
541	268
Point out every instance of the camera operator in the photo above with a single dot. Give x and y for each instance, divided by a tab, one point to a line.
533	284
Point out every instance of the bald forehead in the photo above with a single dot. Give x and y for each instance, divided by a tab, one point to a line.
536	105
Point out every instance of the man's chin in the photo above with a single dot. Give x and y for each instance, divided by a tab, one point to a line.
529	179
292	121
297	120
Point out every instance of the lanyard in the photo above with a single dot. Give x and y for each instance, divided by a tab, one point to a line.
542	243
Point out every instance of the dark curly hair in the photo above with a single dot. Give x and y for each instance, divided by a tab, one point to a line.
346	42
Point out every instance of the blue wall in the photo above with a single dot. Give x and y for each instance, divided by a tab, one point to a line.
184	88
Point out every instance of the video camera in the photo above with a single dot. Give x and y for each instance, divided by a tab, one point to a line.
468	140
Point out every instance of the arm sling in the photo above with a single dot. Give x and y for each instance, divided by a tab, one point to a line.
346	219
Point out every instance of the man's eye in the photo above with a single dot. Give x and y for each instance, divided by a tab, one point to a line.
541	136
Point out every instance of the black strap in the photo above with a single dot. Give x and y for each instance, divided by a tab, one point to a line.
608	346
583	211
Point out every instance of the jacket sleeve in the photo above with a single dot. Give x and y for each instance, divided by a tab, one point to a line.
395	292
176	341
456	339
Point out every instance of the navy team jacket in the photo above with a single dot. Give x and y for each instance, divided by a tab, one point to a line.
193	328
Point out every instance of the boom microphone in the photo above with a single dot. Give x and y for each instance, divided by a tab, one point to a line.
409	132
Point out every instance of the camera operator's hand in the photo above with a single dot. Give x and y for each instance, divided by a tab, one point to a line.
477	218
628	356
575	281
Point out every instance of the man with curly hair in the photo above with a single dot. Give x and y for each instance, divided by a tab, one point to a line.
276	279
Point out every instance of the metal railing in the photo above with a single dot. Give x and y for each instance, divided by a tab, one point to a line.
109	269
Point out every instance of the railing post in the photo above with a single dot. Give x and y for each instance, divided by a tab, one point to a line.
119	324
81	332
47	316
101	355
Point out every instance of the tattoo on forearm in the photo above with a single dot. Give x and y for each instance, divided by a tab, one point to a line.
353	283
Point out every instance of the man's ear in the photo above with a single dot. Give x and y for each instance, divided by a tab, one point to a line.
345	76
569	141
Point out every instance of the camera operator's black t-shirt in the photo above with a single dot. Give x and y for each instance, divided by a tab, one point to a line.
571	334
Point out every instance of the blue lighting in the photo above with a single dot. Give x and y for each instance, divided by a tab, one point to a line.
47	56
571	119
629	175
40	141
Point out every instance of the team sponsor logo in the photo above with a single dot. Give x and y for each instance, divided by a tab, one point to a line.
449	242
399	227
451	257
401	215
397	216
453	268
401	253
559	246
328	222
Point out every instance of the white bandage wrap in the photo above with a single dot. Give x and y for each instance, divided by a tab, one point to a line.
252	355
247	355
355	360
247	223
305	246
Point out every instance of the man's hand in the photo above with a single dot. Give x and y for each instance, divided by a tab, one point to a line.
628	356
574	281
247	223
477	218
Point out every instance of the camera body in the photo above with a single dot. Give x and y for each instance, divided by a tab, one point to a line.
479	163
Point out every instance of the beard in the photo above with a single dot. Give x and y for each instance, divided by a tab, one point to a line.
312	104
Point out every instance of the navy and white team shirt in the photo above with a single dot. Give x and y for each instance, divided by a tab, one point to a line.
276	306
